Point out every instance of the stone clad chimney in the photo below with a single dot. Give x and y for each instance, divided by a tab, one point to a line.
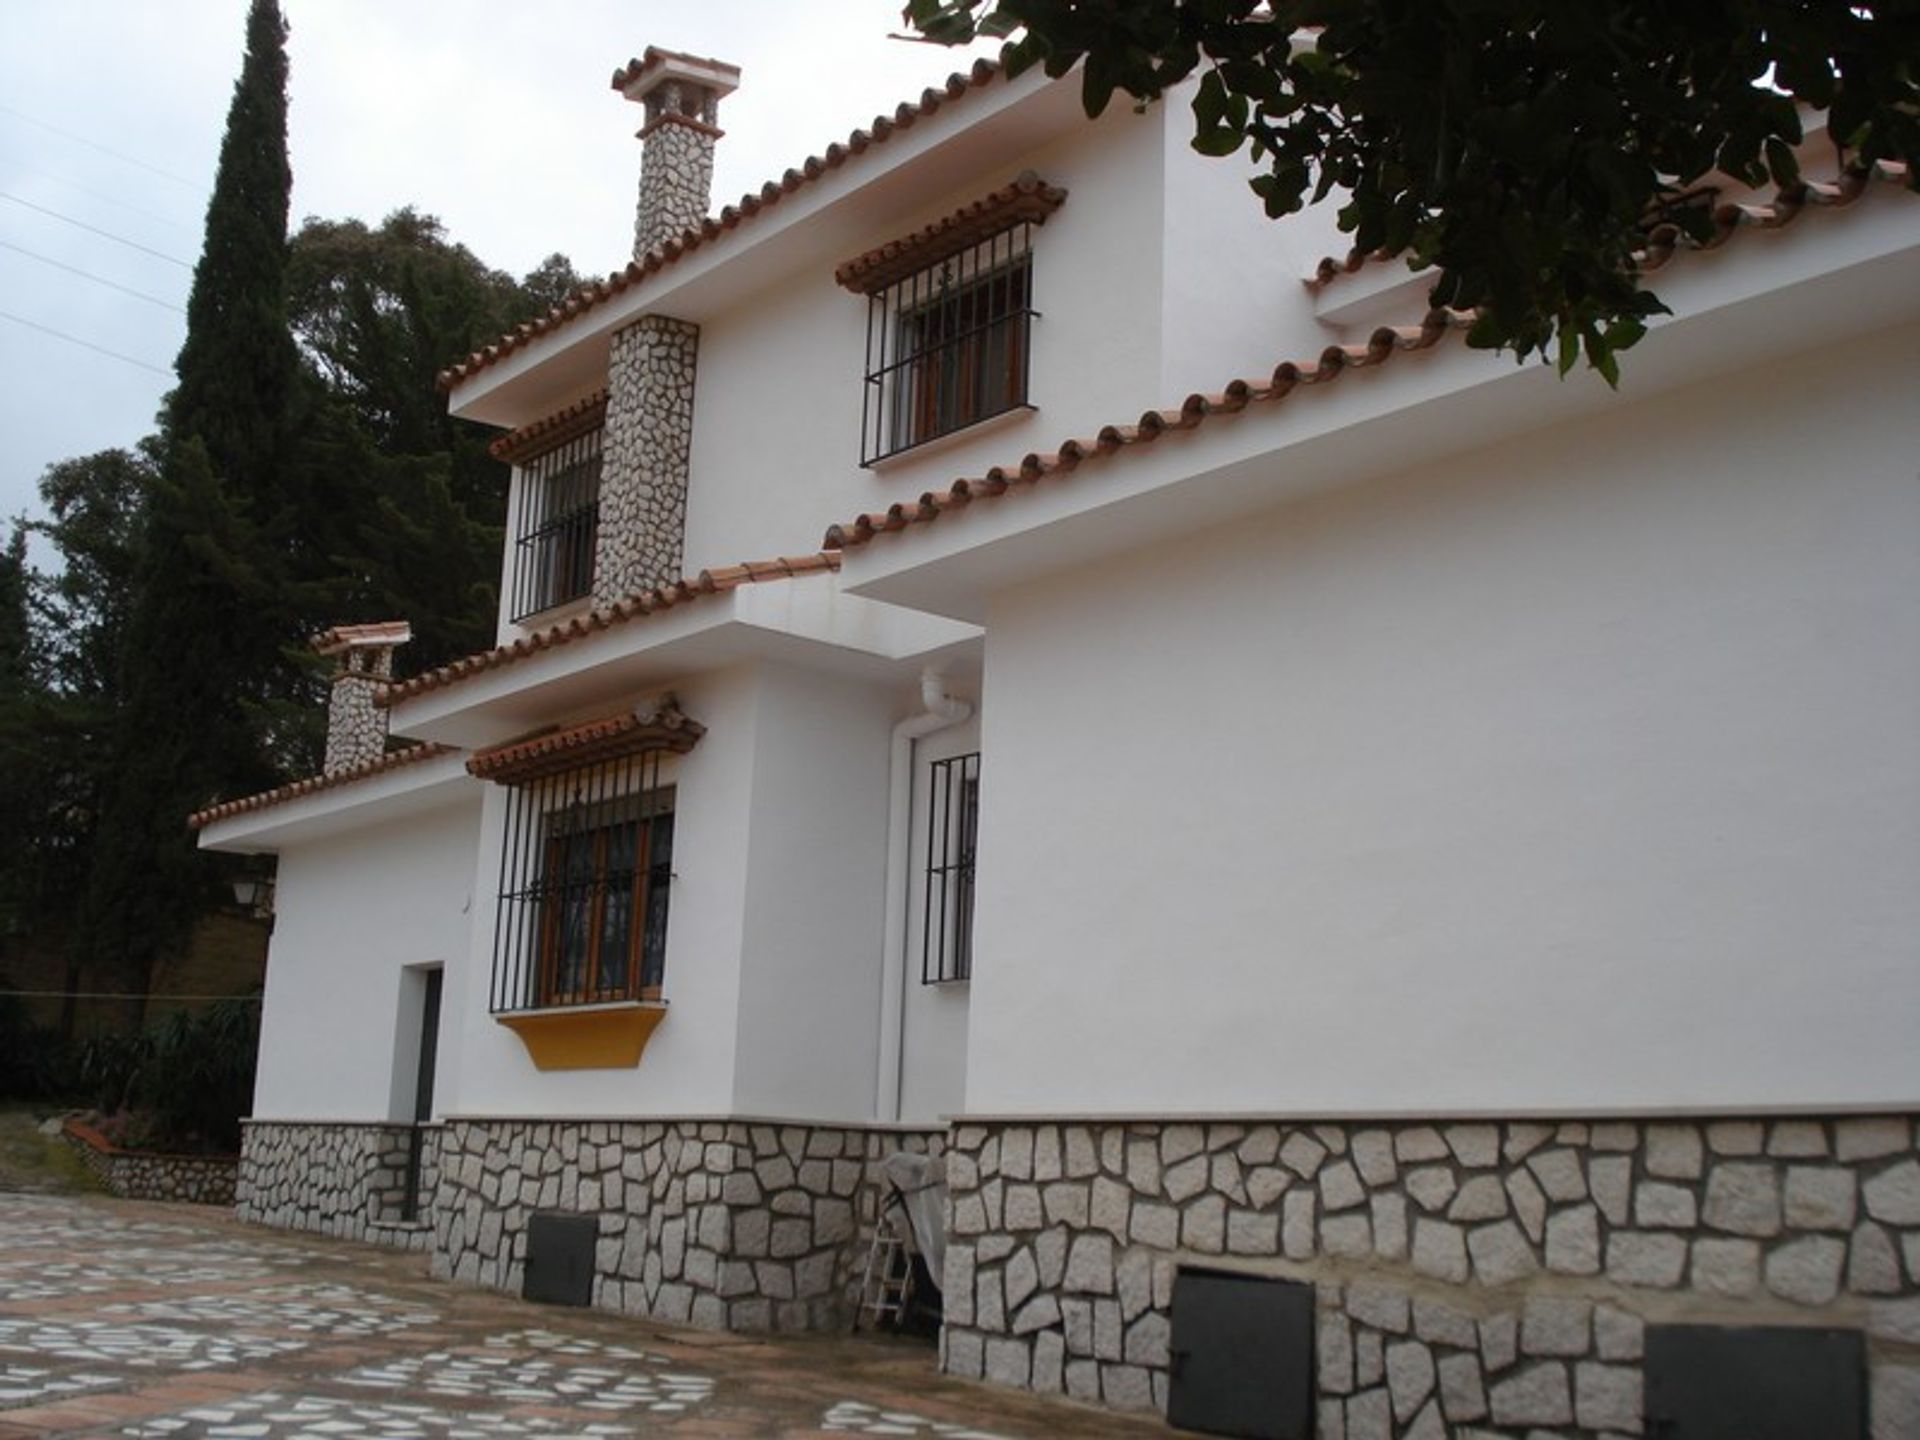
681	95
646	454
356	726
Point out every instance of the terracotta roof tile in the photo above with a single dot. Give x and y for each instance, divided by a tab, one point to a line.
1196	410
1027	198
551	430
663	727
1663	240
313	785
731	217
634	607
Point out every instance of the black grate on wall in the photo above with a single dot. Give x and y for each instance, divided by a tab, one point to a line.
555	526
947	345
953	829
1242	1356
586	871
560	1257
1715	1382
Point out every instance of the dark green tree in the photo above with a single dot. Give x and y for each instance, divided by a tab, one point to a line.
204	638
1522	148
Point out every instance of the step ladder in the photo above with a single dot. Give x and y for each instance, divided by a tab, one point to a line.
886	1286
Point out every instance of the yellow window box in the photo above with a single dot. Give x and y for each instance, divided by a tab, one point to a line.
587	1037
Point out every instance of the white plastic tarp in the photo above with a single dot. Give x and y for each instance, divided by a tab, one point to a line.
921	1183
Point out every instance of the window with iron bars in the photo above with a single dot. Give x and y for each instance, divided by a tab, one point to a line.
585	877
556	524
947	345
946	911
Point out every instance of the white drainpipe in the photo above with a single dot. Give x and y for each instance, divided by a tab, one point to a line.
939	711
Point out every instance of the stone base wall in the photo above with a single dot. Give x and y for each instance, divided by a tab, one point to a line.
191	1179
729	1225
336	1178
1472	1279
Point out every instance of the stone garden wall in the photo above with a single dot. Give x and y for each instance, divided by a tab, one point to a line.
336	1178
1472	1279
133	1175
733	1225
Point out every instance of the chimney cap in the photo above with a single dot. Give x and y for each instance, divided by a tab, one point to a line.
382	634
640	77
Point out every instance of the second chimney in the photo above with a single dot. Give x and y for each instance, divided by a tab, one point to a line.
356	725
681	95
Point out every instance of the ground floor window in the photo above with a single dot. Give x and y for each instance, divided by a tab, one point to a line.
953	829
586	861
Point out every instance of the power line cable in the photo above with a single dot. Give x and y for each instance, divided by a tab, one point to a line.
89	275
76	340
96	230
121	155
184	227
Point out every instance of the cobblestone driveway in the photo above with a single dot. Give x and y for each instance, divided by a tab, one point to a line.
125	1319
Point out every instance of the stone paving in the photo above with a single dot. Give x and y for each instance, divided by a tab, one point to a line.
121	1318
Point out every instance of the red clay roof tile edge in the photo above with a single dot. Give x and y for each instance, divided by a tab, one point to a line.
1334	360
598	292
708	582
1661	241
654	56
667	724
551	430
314	784
1026	197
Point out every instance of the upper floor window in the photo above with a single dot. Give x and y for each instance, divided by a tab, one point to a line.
949	320
556	525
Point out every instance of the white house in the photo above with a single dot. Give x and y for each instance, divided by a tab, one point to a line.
1278	798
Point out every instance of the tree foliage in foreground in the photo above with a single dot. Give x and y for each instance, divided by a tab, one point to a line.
1523	148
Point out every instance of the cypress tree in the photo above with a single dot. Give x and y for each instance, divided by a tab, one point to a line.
206	634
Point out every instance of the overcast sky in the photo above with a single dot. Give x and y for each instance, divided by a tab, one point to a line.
494	115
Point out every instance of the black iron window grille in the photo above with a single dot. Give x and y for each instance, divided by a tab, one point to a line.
557	521
953	829
947	345
585	876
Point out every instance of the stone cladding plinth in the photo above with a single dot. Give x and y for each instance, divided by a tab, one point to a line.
726	1224
1471	1279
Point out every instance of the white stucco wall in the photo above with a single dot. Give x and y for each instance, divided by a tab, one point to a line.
810	973
1578	773
352	913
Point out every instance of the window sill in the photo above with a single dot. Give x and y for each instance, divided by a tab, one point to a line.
1000	420
586	1037
553	615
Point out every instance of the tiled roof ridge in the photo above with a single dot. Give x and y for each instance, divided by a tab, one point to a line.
563	424
598	292
708	582
1335	360
314	784
1025	197
1662	240
663	726
1194	411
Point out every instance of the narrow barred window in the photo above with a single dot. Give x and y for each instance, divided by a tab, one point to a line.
555	526
953	827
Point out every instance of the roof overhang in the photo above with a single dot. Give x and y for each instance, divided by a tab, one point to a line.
807	621
813	228
1774	294
378	799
